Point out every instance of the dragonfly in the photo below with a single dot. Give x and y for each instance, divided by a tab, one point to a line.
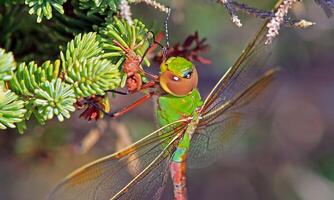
192	132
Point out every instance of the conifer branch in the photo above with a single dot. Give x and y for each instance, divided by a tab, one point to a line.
93	45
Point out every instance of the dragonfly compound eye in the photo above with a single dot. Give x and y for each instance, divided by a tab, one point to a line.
188	75
175	78
178	86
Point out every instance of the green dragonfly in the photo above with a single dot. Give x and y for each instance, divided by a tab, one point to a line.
193	132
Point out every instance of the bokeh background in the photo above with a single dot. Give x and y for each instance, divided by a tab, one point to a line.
287	154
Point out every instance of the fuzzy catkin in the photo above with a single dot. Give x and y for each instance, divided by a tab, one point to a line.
125	11
275	23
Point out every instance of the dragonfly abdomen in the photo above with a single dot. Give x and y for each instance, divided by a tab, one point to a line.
178	173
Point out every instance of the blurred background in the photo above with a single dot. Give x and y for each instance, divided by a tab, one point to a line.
287	154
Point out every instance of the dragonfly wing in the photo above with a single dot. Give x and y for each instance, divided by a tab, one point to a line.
250	66
207	143
220	128
219	124
137	172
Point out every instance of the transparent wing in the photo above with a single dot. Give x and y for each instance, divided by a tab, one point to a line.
137	172
218	129
208	141
250	66
222	118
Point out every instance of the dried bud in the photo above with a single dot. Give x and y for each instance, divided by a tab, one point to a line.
125	11
92	105
190	49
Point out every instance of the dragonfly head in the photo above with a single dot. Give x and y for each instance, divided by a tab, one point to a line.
178	76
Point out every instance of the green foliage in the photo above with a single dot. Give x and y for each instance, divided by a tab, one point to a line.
99	6
7	65
27	39
11	109
90	64
92	76
47	95
8	24
7	2
54	98
51	89
84	68
75	22
134	37
29	77
43	8
81	48
44	94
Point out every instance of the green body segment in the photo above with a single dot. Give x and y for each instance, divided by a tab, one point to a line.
178	65
182	148
171	109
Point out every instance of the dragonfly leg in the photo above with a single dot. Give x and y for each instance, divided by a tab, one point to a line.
127	108
119	92
150	48
147	85
178	173
126	50
153	76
